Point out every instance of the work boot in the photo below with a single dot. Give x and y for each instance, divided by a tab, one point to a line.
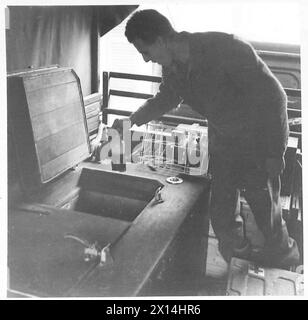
242	250
235	246
241	244
269	257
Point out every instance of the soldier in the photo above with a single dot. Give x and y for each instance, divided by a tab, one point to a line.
222	78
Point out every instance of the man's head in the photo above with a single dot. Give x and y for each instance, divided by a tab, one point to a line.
149	31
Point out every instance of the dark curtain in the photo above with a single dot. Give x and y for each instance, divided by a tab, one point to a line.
65	35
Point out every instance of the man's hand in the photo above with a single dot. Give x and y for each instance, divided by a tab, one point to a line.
95	149
95	143
274	166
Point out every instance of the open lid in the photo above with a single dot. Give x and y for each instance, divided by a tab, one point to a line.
47	118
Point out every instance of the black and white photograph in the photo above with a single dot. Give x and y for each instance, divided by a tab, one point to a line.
153	149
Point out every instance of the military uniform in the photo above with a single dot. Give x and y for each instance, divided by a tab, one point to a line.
245	105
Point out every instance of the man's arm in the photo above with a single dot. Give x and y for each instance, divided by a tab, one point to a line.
165	100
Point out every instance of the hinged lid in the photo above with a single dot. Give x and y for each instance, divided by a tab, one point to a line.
47	118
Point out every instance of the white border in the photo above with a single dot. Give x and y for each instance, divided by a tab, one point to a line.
3	124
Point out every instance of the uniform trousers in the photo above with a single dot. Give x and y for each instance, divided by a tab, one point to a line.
235	174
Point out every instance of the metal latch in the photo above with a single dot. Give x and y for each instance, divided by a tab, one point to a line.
93	251
158	198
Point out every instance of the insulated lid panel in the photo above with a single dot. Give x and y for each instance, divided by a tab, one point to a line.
47	115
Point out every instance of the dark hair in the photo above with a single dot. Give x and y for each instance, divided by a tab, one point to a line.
147	25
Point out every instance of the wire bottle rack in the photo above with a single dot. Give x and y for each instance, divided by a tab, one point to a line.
174	149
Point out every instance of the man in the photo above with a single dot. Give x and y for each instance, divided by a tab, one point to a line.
223	79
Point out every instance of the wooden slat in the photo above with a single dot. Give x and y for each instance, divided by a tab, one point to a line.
93	114
128	94
92	117
93	111
91	107
296	135
52	122
63	162
278	55
92	98
297	112
293	92
171	118
92	124
60	143
129	76
48	99
288	174
105	84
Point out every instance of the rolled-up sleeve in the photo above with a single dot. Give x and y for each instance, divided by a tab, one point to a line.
165	100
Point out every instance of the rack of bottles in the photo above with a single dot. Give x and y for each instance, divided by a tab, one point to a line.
174	149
